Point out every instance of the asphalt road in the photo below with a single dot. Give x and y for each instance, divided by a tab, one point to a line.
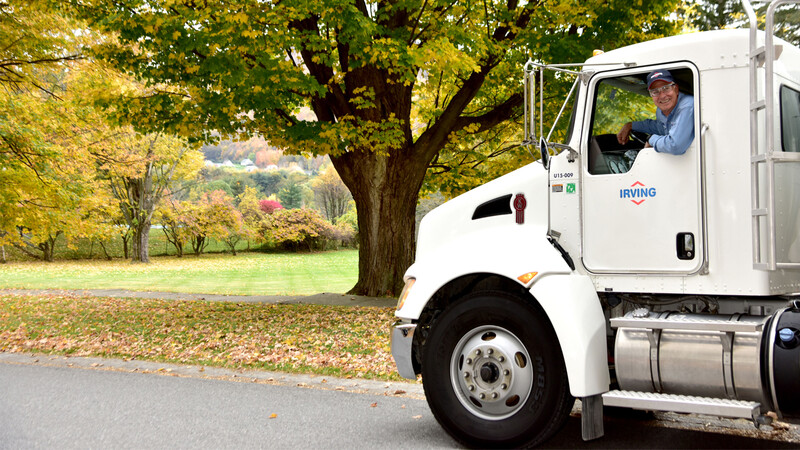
56	402
66	407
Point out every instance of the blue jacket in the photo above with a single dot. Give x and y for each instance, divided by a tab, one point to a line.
671	134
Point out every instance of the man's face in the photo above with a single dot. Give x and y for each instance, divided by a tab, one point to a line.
667	99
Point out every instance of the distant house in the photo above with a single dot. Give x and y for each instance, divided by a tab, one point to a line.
210	163
250	168
246	162
227	163
271	167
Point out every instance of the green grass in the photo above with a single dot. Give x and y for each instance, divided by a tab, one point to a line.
245	274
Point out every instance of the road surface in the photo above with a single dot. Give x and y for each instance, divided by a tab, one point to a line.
57	402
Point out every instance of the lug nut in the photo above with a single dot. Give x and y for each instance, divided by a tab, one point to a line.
482	396
489	352
469	361
494	394
506	372
471	387
466	374
478	352
504	386
501	358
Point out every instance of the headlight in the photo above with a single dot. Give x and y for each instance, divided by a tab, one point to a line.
404	294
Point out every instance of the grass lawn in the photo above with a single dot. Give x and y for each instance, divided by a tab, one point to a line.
244	274
340	341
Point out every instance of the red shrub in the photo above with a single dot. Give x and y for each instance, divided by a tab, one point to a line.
269	206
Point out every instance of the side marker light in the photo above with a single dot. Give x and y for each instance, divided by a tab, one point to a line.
527	277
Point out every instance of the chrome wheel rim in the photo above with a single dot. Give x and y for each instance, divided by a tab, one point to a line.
491	372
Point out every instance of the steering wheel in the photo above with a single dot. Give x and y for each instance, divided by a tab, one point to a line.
640	137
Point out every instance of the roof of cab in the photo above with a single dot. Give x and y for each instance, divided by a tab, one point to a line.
706	50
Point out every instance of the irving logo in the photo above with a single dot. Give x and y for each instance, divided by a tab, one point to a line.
637	193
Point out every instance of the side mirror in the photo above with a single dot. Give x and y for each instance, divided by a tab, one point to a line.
545	153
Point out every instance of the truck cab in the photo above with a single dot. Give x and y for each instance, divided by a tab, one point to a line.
617	274
642	220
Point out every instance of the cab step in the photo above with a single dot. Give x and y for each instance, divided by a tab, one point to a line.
686	404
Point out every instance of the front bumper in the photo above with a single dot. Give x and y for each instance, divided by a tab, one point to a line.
402	349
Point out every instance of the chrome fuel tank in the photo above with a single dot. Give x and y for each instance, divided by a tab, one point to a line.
688	354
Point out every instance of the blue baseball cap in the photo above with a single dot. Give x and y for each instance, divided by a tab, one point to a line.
659	75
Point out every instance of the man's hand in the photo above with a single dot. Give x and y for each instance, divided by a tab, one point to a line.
624	133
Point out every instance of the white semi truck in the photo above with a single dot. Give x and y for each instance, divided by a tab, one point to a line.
621	276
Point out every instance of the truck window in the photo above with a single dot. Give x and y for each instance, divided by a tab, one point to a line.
790	119
617	101
615	106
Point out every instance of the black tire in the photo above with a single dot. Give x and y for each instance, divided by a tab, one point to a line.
470	347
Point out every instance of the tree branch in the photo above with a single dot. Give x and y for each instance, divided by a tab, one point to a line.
435	137
21	62
498	114
334	104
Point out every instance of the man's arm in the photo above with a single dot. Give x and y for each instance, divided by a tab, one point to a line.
648	126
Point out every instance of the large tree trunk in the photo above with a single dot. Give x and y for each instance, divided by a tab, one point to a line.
141	242
385	190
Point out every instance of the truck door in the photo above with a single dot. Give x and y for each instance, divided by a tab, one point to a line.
642	211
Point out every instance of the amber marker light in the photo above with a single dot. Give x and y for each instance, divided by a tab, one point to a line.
404	294
525	278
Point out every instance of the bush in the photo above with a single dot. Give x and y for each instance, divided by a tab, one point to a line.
294	228
344	234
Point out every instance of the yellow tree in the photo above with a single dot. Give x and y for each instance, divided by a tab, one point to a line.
171	215
140	170
332	195
252	215
48	130
213	216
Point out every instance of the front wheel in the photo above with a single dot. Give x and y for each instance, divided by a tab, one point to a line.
493	372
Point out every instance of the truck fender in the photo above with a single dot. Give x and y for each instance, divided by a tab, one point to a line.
568	299
574	310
